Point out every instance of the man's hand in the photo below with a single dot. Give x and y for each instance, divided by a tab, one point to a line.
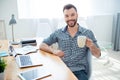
89	42
58	53
95	51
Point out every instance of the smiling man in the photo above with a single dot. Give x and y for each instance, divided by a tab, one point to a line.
69	51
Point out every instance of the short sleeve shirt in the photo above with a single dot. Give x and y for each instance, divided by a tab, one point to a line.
75	58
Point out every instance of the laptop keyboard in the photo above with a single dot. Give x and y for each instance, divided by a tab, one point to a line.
25	60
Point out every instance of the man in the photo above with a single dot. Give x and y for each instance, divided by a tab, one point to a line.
73	56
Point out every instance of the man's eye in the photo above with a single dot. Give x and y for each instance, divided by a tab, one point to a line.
66	16
73	15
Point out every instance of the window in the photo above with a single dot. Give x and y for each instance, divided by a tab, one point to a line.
2	30
49	8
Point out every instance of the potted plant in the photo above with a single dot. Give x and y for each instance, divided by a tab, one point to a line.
2	68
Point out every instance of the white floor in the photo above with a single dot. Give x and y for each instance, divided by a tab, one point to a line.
107	67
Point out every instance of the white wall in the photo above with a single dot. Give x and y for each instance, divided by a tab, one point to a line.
100	7
7	7
100	21
23	28
101	25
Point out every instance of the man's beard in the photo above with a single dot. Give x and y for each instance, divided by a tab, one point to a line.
72	23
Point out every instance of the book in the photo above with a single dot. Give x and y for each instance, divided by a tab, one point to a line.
27	42
34	74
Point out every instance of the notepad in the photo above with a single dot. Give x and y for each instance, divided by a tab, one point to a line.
34	74
3	53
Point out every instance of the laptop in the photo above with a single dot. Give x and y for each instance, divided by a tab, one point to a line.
28	60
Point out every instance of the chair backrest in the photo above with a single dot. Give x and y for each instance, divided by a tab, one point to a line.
89	67
43	30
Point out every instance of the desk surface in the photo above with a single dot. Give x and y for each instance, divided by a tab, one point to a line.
52	63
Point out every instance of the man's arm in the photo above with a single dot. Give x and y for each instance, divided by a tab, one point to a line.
95	51
48	49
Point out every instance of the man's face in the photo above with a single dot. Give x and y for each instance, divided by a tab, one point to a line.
70	16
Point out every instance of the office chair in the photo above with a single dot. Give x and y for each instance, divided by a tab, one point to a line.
89	67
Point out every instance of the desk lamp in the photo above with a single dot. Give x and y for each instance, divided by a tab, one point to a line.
12	22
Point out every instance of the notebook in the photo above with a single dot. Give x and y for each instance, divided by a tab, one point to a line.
34	74
28	60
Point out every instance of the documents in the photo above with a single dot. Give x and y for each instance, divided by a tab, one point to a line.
25	49
22	50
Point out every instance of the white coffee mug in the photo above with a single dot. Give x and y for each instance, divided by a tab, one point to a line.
81	41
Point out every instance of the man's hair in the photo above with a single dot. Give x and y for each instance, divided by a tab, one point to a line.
69	6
